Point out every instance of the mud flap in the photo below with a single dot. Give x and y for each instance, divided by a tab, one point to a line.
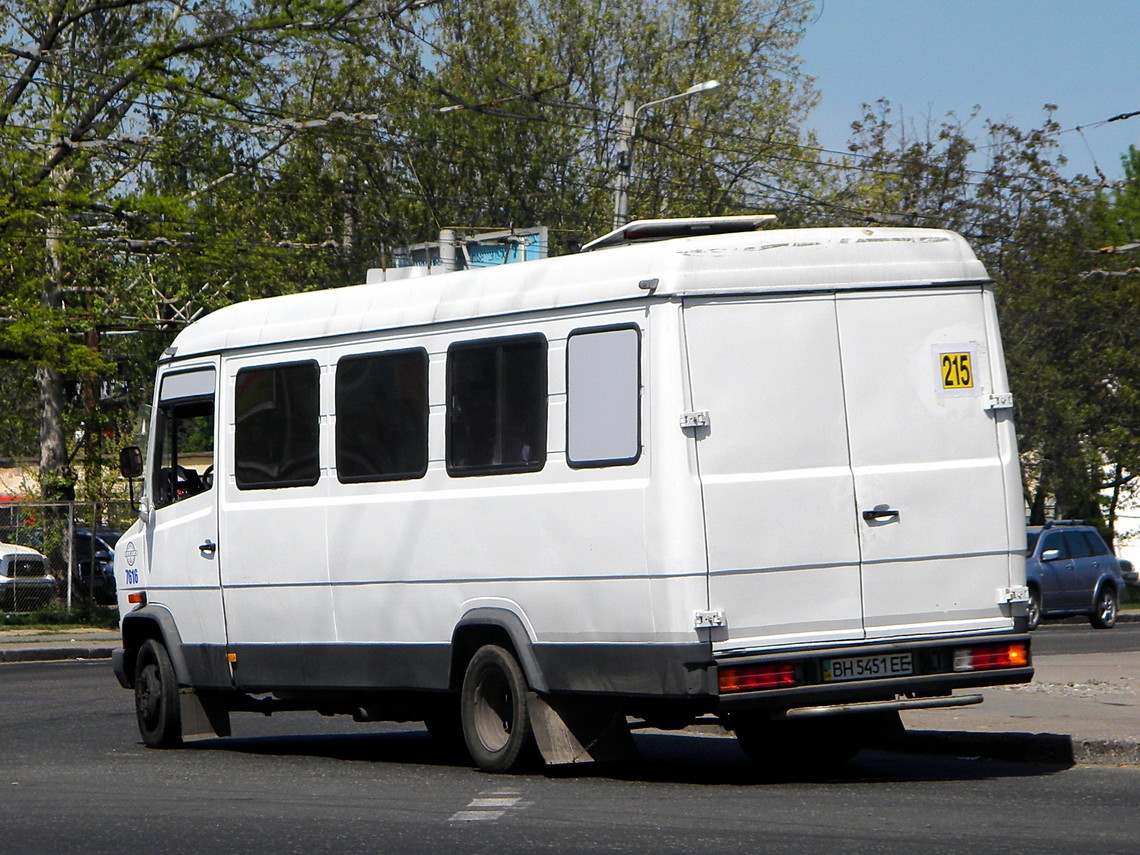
576	731
200	719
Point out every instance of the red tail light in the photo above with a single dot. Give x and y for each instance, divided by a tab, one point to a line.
747	678
991	656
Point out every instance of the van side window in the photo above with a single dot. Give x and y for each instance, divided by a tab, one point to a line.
382	416
184	437
277	426
496	406
603	387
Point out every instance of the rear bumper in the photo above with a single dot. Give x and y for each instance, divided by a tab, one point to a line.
933	676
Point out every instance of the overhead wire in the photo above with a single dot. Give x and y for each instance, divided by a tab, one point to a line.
852	161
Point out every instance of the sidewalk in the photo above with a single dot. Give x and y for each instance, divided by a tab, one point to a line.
1078	709
39	645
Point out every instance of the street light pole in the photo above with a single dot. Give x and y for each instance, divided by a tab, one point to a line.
626	133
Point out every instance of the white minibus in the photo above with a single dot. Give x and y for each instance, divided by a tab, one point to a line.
701	471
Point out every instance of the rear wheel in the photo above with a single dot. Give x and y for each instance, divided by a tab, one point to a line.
1104	613
156	697
1033	610
493	712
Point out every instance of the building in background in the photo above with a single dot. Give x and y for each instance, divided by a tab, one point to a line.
457	249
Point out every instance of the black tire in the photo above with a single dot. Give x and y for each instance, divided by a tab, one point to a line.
493	712
802	746
156	697
1107	606
1033	610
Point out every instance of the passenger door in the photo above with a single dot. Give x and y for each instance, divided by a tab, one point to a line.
1086	569
279	616
930	473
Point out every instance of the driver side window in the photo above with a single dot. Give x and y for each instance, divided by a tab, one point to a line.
184	441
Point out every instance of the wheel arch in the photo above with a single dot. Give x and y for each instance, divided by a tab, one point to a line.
493	625
1034	587
158	623
1108	581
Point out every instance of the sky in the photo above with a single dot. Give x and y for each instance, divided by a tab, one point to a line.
1010	57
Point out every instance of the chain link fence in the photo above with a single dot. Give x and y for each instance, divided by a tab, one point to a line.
59	554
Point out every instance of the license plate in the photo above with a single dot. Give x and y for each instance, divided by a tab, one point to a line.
867	667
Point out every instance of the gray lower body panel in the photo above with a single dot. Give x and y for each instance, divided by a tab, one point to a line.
635	670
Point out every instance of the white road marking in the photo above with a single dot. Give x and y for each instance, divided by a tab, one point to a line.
475	815
489	805
497	802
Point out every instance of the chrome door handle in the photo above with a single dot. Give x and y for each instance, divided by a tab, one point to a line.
209	547
882	512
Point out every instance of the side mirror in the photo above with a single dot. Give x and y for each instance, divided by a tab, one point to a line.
131	462
1050	555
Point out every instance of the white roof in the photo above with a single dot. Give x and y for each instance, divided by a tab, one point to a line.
777	261
7	550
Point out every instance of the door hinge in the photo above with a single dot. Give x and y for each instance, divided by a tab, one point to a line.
709	619
694	419
1002	401
1019	594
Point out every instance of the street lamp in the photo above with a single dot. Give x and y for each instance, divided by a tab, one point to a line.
625	140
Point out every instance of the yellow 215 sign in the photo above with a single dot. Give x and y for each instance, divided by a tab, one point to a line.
957	371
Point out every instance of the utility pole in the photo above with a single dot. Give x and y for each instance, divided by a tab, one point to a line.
626	133
624	165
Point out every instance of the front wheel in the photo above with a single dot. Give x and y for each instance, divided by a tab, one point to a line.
1107	604
493	712
156	697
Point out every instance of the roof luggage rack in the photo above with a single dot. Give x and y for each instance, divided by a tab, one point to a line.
647	230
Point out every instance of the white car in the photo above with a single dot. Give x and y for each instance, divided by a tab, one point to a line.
26	582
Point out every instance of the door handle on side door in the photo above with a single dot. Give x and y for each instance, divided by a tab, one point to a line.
880	513
208	548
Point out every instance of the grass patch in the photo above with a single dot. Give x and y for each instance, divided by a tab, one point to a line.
53	617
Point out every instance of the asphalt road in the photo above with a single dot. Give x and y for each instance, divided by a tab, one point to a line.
76	779
1080	637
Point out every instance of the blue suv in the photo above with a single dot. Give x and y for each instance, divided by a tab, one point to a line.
1070	570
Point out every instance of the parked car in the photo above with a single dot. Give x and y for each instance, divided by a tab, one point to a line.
1070	570
25	581
95	564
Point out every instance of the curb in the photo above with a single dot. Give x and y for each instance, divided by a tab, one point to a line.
54	654
1053	749
1130	616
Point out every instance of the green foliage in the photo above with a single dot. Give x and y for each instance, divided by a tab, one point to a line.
85	613
164	159
133	135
